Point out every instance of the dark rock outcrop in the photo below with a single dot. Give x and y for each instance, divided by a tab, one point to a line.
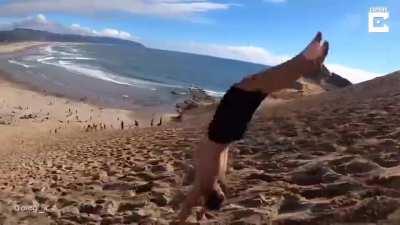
338	81
196	97
328	80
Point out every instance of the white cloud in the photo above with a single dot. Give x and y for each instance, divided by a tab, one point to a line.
355	75
166	8
247	53
40	22
109	32
261	55
78	29
41	18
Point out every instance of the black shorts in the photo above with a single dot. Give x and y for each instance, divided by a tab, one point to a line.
233	114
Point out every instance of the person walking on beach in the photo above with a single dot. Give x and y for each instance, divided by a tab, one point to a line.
232	116
160	122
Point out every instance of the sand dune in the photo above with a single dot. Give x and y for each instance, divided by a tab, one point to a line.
331	159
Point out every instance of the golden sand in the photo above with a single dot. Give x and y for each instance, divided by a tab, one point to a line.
18	46
29	118
331	159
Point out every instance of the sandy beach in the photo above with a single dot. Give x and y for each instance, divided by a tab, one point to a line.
27	116
19	46
331	158
31	116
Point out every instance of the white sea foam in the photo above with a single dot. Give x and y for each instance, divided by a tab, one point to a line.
66	53
77	58
44	59
80	69
31	58
102	75
217	94
98	73
48	49
74	50
19	63
71	58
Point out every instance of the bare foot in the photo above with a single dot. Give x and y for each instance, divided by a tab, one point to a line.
317	49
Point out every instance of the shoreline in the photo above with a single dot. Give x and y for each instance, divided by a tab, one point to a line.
31	116
19	47
82	88
15	47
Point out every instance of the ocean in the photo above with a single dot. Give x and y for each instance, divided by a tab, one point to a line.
122	76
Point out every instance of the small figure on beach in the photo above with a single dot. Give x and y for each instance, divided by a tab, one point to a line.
136	123
152	122
178	118
122	125
230	121
160	122
88	128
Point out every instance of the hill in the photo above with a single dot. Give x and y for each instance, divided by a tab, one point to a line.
22	34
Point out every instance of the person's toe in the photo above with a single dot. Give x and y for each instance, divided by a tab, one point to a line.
325	48
318	37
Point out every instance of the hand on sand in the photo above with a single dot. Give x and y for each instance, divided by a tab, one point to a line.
211	166
209	200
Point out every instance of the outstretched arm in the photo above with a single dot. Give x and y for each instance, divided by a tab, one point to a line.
234	112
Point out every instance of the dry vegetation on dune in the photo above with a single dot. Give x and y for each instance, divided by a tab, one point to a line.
337	162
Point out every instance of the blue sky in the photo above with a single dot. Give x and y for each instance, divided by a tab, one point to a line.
263	31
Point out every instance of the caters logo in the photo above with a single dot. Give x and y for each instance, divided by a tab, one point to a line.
377	20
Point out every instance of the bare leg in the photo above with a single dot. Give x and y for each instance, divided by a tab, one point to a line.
307	63
223	168
211	158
